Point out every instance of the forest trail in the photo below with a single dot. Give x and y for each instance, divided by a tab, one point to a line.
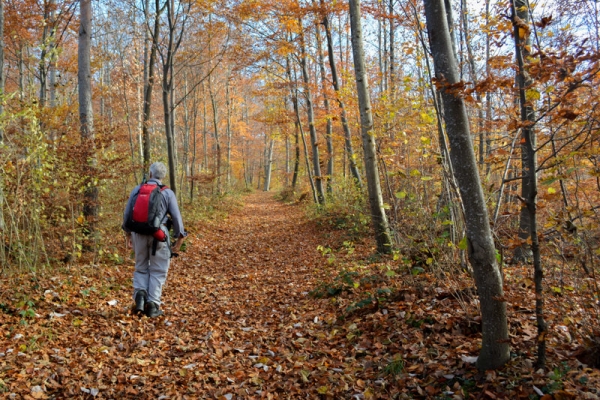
240	323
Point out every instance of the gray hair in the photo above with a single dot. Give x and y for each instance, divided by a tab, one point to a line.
158	170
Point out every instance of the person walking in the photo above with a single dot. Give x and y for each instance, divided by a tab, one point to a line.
152	255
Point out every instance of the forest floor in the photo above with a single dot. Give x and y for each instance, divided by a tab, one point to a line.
244	319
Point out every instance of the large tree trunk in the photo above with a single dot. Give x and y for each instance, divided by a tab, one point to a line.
344	118
311	125
494	349
380	222
84	78
520	14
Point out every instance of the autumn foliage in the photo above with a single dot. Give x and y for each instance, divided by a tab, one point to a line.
289	299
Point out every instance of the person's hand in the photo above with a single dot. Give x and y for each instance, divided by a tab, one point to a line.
129	242
177	244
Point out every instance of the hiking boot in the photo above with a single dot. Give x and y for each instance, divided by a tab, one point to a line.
152	310
140	301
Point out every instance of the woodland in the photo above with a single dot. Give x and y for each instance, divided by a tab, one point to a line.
385	199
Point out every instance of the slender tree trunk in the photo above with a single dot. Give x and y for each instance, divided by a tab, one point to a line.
43	69
294	94
311	124
329	126
228	131
167	87
84	78
268	162
149	82
494	350
523	253
473	73
296	146
379	219
343	116
204	132
194	148
520	14
217	136
392	52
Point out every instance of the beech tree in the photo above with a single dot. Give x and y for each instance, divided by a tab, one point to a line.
482	255
84	79
379	219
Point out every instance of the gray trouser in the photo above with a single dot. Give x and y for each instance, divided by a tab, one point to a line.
150	270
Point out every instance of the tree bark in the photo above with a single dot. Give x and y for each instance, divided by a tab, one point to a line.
520	8
311	125
149	82
520	14
494	350
268	162
217	136
329	126
343	116
84	79
378	216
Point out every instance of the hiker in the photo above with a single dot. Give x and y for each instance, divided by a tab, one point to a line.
152	250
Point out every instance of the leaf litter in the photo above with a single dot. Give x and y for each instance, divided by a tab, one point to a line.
242	321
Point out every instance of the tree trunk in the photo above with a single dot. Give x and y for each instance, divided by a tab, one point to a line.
268	162
520	14
84	79
300	132
494	350
329	126
311	125
217	136
473	73
296	147
228	131
204	132
520	8
343	116
149	83
379	219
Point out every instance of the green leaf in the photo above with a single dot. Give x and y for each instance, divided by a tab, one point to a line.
463	243
390	273
305	374
400	195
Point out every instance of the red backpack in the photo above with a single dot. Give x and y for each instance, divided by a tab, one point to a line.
144	216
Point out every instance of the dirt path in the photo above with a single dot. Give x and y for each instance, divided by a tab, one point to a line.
240	299
239	324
